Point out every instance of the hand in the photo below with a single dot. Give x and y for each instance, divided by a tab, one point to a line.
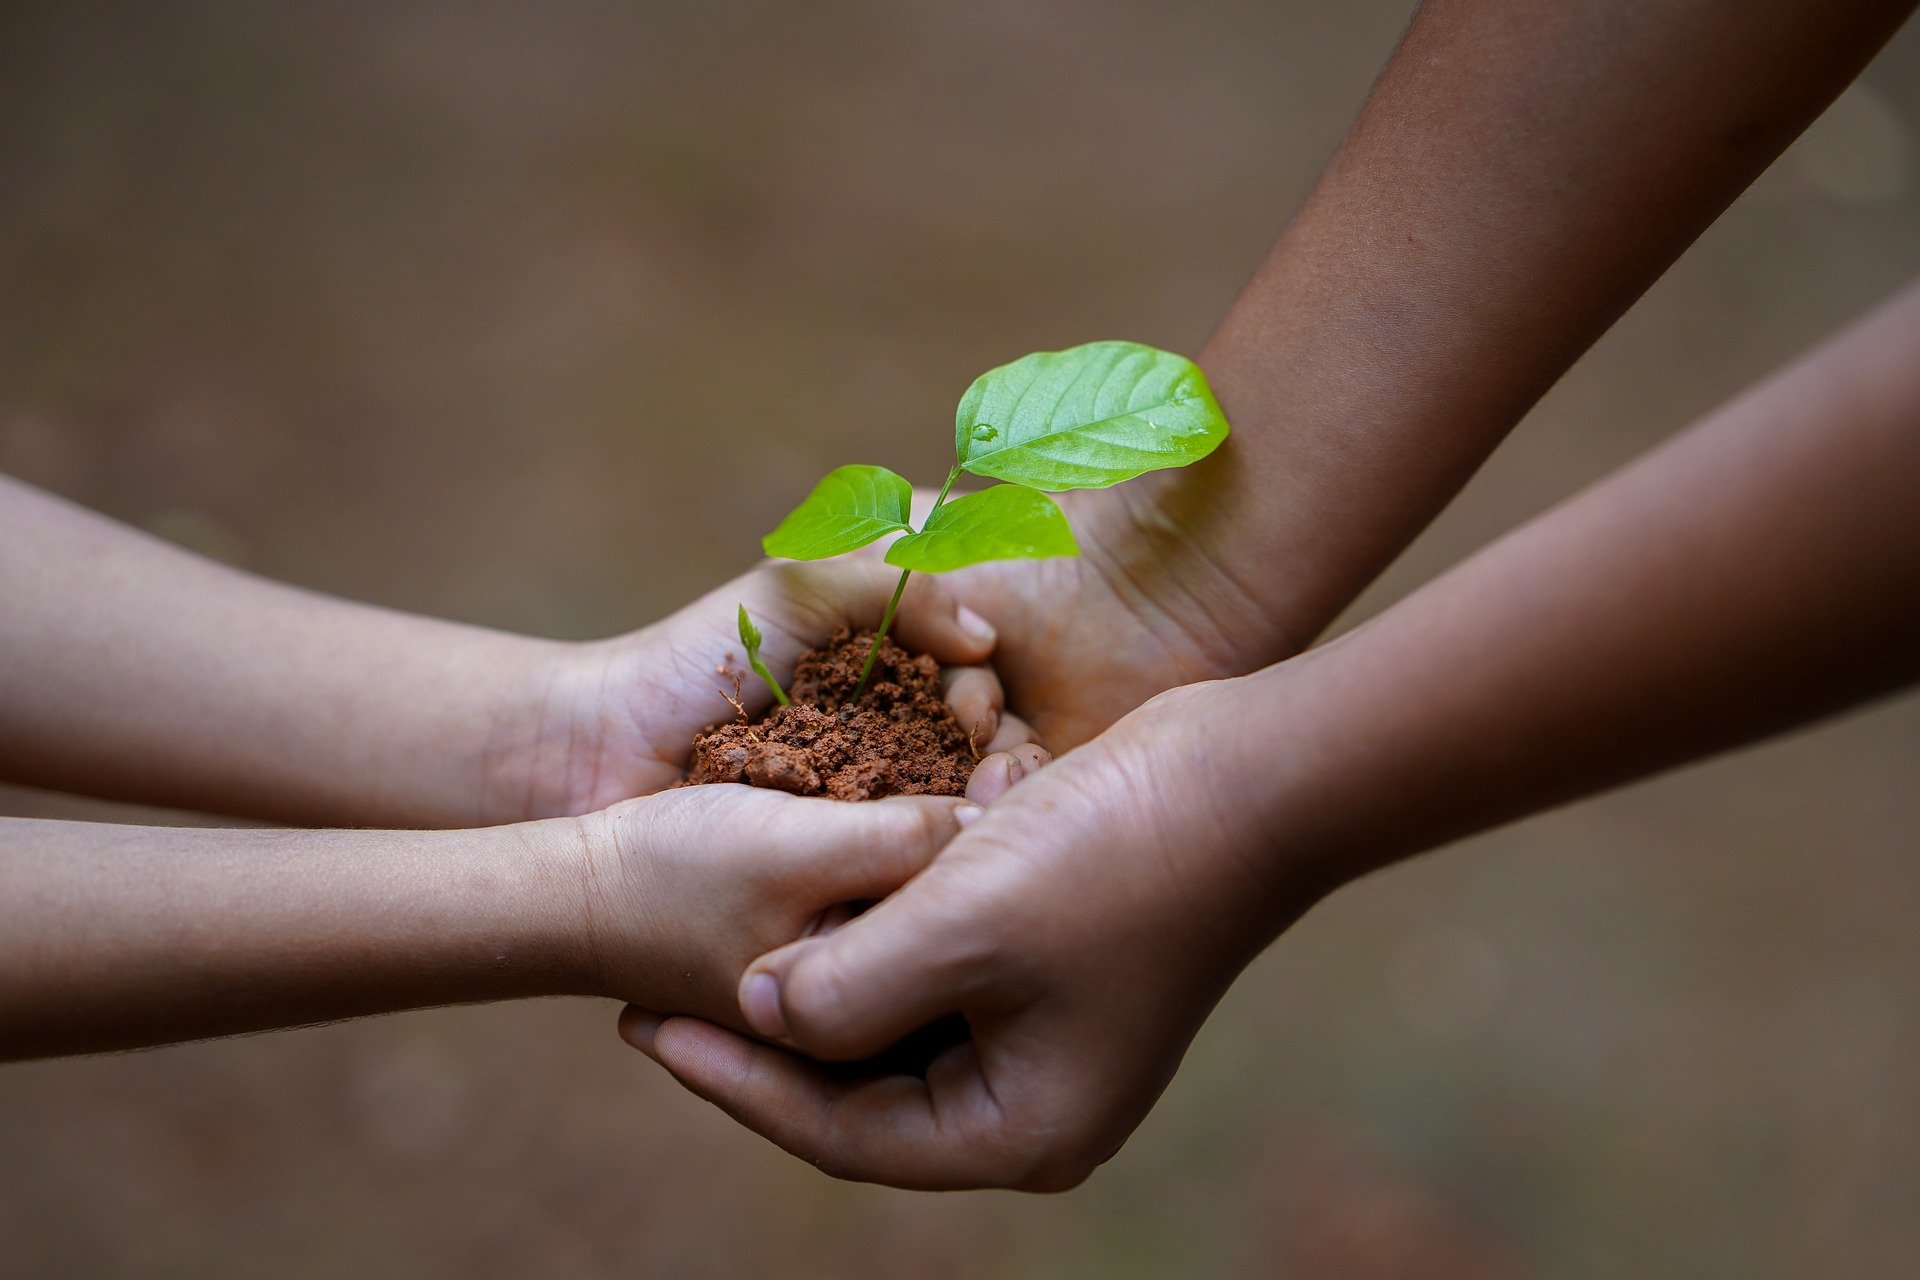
1085	927
684	889
1141	610
606	721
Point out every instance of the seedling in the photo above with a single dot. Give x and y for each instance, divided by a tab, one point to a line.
1084	418
750	637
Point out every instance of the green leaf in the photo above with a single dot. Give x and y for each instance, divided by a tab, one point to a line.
1087	417
850	507
1006	522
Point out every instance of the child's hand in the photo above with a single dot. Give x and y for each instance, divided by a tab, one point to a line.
616	718
684	889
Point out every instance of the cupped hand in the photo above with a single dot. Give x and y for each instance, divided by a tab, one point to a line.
1084	927
1085	640
681	891
616	718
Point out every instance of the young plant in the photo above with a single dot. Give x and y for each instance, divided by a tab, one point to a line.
1084	418
750	637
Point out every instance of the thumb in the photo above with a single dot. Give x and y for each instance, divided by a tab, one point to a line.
855	992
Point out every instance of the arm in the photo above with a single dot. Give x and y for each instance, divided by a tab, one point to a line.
1760	571
115	937
1521	172
134	670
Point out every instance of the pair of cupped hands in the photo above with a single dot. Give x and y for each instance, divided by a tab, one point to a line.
1082	917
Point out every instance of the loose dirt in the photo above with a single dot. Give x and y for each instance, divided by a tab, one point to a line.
901	740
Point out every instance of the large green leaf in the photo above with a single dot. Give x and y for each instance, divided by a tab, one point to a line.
1006	522
850	507
1087	417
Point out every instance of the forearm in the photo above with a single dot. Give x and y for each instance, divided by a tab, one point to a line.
1519	175
118	937
134	670
1758	572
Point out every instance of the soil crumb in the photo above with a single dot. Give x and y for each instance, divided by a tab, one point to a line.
901	740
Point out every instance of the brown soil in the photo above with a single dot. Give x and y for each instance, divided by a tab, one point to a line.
901	740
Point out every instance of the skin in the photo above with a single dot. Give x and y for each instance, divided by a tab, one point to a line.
1521	172
265	701
121	937
1760	571
134	670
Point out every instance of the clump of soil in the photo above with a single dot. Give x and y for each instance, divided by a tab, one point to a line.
901	740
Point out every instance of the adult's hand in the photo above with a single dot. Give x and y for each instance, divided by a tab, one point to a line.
1758	572
1520	173
1143	609
1084	926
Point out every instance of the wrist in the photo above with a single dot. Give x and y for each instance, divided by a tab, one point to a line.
1238	778
1326	787
541	734
1179	538
530	890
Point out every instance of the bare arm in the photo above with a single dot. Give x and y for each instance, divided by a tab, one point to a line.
118	937
1760	571
134	670
1521	172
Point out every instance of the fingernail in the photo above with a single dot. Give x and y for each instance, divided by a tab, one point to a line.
965	814
977	627
760	1005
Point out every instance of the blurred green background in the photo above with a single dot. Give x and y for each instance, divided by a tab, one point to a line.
537	315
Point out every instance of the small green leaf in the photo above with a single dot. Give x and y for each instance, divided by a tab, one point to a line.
1006	522
1087	417
750	637
850	507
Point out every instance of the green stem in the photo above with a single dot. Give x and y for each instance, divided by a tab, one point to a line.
873	650
886	619
760	669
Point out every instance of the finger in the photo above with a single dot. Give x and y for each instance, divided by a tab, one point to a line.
932	620
973	693
885	1130
870	849
994	776
638	1026
1013	732
872	983
801	605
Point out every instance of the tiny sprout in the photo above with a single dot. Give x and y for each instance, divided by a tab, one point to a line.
750	636
1084	418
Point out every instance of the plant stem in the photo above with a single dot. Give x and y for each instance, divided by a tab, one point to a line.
760	669
873	650
886	619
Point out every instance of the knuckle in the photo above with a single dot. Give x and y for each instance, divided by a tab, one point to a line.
920	826
816	998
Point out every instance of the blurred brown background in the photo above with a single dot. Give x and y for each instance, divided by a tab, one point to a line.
537	315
